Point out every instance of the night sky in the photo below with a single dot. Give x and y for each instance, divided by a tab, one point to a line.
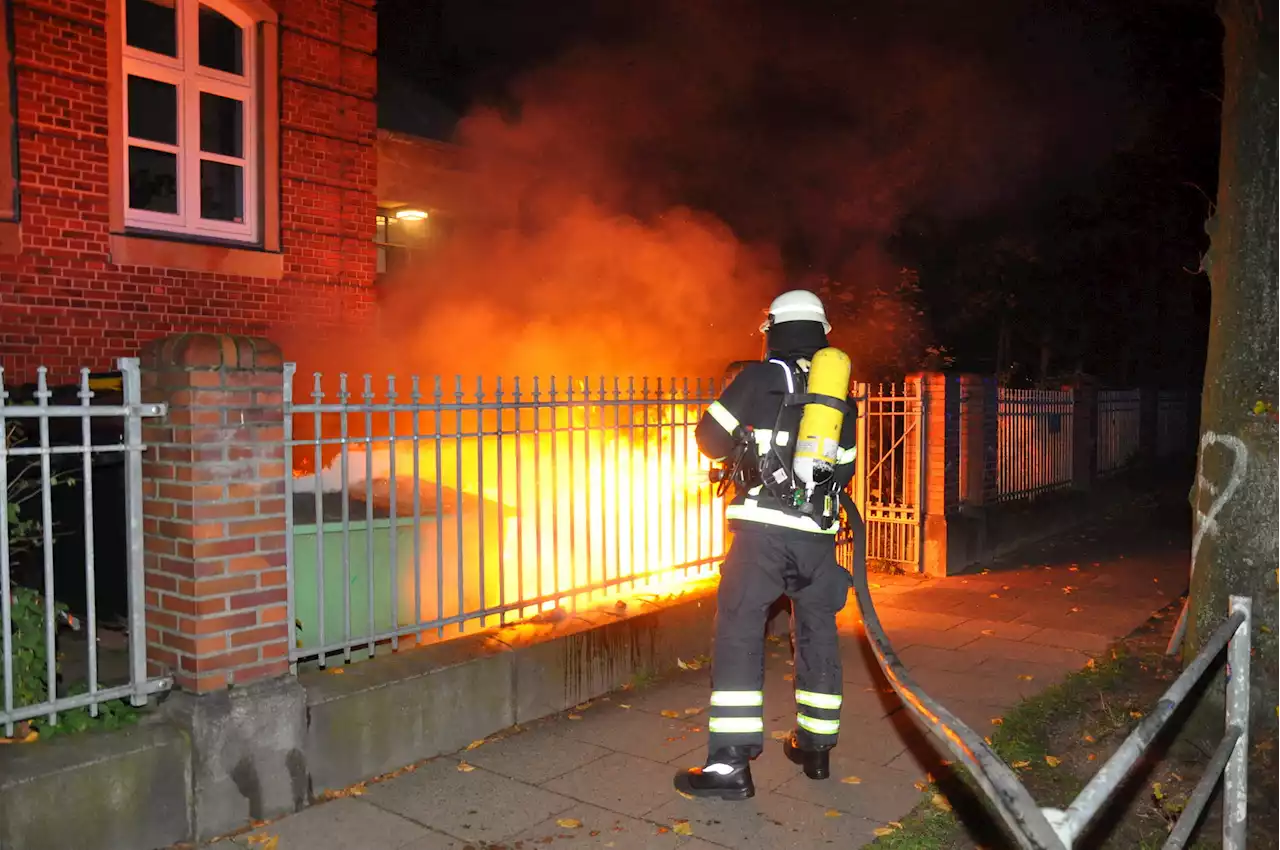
1046	173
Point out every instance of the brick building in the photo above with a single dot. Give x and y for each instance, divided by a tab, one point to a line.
182	165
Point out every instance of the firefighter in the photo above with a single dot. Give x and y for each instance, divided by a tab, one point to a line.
778	548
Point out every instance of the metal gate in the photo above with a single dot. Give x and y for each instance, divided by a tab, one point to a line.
887	487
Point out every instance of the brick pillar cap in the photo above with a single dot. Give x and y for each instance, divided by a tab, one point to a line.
208	351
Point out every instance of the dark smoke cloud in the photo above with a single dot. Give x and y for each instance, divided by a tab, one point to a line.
643	201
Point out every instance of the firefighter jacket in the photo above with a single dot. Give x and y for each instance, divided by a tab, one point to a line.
754	400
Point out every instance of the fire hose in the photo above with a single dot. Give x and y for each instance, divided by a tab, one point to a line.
1033	828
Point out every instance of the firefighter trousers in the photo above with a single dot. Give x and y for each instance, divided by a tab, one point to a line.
763	563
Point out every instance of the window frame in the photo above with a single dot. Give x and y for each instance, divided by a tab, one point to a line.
258	89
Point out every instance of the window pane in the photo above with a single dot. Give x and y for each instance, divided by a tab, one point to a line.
380	228
221	42
382	260
153	180
221	191
221	125
151	25
153	110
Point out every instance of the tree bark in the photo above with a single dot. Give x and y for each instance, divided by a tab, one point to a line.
1235	519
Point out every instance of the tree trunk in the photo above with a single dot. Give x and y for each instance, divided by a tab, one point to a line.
1235	521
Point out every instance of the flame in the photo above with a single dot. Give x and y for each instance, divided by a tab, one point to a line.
548	507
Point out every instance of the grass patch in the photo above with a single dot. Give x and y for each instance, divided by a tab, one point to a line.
1057	740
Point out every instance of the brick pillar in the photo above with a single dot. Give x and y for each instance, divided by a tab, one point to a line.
213	497
1084	430
979	432
941	466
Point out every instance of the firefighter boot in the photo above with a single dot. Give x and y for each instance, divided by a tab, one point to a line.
726	776
816	762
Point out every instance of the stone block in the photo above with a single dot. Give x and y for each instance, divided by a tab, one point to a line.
248	761
104	791
392	711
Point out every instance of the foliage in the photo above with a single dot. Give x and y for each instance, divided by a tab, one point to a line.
31	670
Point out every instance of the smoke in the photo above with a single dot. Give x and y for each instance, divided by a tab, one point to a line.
634	206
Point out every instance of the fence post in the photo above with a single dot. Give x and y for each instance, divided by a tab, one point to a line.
214	528
979	432
1084	427
940	400
216	584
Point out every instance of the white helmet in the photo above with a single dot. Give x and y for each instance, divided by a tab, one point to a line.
798	305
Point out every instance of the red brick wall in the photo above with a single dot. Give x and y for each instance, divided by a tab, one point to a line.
64	305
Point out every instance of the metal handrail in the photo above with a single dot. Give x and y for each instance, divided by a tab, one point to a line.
1044	828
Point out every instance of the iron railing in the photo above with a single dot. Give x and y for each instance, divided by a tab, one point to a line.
1119	428
57	461
1035	441
429	507
1040	828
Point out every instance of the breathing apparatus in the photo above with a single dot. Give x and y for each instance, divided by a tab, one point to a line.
820	388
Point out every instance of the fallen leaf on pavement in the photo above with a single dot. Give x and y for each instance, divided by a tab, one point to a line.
995	596
579	716
1025	677
895	824
875	586
464	767
882	831
689	712
989	632
474	744
921	785
1075	611
1088	739
623	705
682	827
1135	714
569	823
997	721
789	677
941	803
1073	569
851	780
335	671
666	712
1020	765
1092	757
833	813
1052	761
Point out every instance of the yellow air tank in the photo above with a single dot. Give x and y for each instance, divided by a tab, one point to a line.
818	440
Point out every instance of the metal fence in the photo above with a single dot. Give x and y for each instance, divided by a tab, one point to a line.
889	477
1119	428
1042	828
1173	423
1035	442
430	507
70	544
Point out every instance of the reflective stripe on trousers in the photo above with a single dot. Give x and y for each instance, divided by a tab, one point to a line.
737	713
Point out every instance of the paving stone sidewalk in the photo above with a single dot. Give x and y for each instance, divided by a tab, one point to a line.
601	776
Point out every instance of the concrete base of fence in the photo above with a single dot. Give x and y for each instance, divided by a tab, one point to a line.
247	758
206	765
380	715
976	536
123	790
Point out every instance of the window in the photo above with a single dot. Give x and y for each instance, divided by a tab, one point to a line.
393	244
190	119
